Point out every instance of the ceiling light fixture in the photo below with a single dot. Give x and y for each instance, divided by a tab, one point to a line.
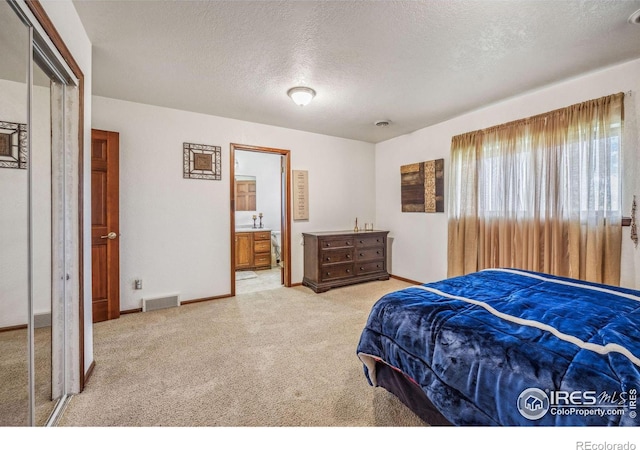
301	95
635	17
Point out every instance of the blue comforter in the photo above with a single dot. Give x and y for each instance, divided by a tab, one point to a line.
507	347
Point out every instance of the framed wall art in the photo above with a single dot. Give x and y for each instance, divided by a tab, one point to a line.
422	186
201	162
13	145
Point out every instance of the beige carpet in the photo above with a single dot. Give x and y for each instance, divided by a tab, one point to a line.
281	357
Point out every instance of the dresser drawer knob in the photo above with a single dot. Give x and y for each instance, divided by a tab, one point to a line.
348	270
378	252
327	244
361	268
348	256
361	254
328	274
328	259
348	243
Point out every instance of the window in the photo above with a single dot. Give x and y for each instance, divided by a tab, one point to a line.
541	194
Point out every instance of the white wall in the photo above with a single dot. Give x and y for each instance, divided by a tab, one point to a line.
419	249
266	168
175	232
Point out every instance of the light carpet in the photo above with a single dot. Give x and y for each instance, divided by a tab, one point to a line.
14	395
283	357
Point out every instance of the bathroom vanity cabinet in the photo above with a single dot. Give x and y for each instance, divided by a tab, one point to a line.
253	250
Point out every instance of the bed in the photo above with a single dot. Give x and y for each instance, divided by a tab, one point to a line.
505	347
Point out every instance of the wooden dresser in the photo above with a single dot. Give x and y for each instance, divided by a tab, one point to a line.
253	250
334	259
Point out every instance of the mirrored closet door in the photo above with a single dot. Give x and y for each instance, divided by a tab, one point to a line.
39	257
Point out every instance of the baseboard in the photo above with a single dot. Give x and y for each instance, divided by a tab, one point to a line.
185	302
89	372
39	321
406	280
13	328
205	299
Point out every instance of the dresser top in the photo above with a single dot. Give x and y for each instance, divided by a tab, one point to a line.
343	233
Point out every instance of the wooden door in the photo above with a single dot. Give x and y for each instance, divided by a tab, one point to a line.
105	226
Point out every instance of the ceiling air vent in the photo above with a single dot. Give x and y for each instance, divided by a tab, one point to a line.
382	123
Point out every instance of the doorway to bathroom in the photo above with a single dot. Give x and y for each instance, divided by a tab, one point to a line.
260	218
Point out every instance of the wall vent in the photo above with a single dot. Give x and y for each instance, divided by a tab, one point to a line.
153	304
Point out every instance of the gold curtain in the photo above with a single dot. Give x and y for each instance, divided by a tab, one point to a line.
540	194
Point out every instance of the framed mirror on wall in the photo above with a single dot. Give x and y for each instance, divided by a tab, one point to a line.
40	309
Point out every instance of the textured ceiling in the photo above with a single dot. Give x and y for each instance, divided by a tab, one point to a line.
414	63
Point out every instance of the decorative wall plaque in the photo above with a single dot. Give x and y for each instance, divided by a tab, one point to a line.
13	145
201	162
300	195
422	186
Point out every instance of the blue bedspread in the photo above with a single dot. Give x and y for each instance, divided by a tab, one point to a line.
506	347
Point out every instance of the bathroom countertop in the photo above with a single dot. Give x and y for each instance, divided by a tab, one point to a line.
250	230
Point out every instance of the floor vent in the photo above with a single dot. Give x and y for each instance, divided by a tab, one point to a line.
153	304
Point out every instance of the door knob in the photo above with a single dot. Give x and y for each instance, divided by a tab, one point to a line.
111	235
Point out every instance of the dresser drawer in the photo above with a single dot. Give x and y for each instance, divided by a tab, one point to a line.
336	242
261	236
336	271
370	267
336	255
369	241
363	254
262	246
